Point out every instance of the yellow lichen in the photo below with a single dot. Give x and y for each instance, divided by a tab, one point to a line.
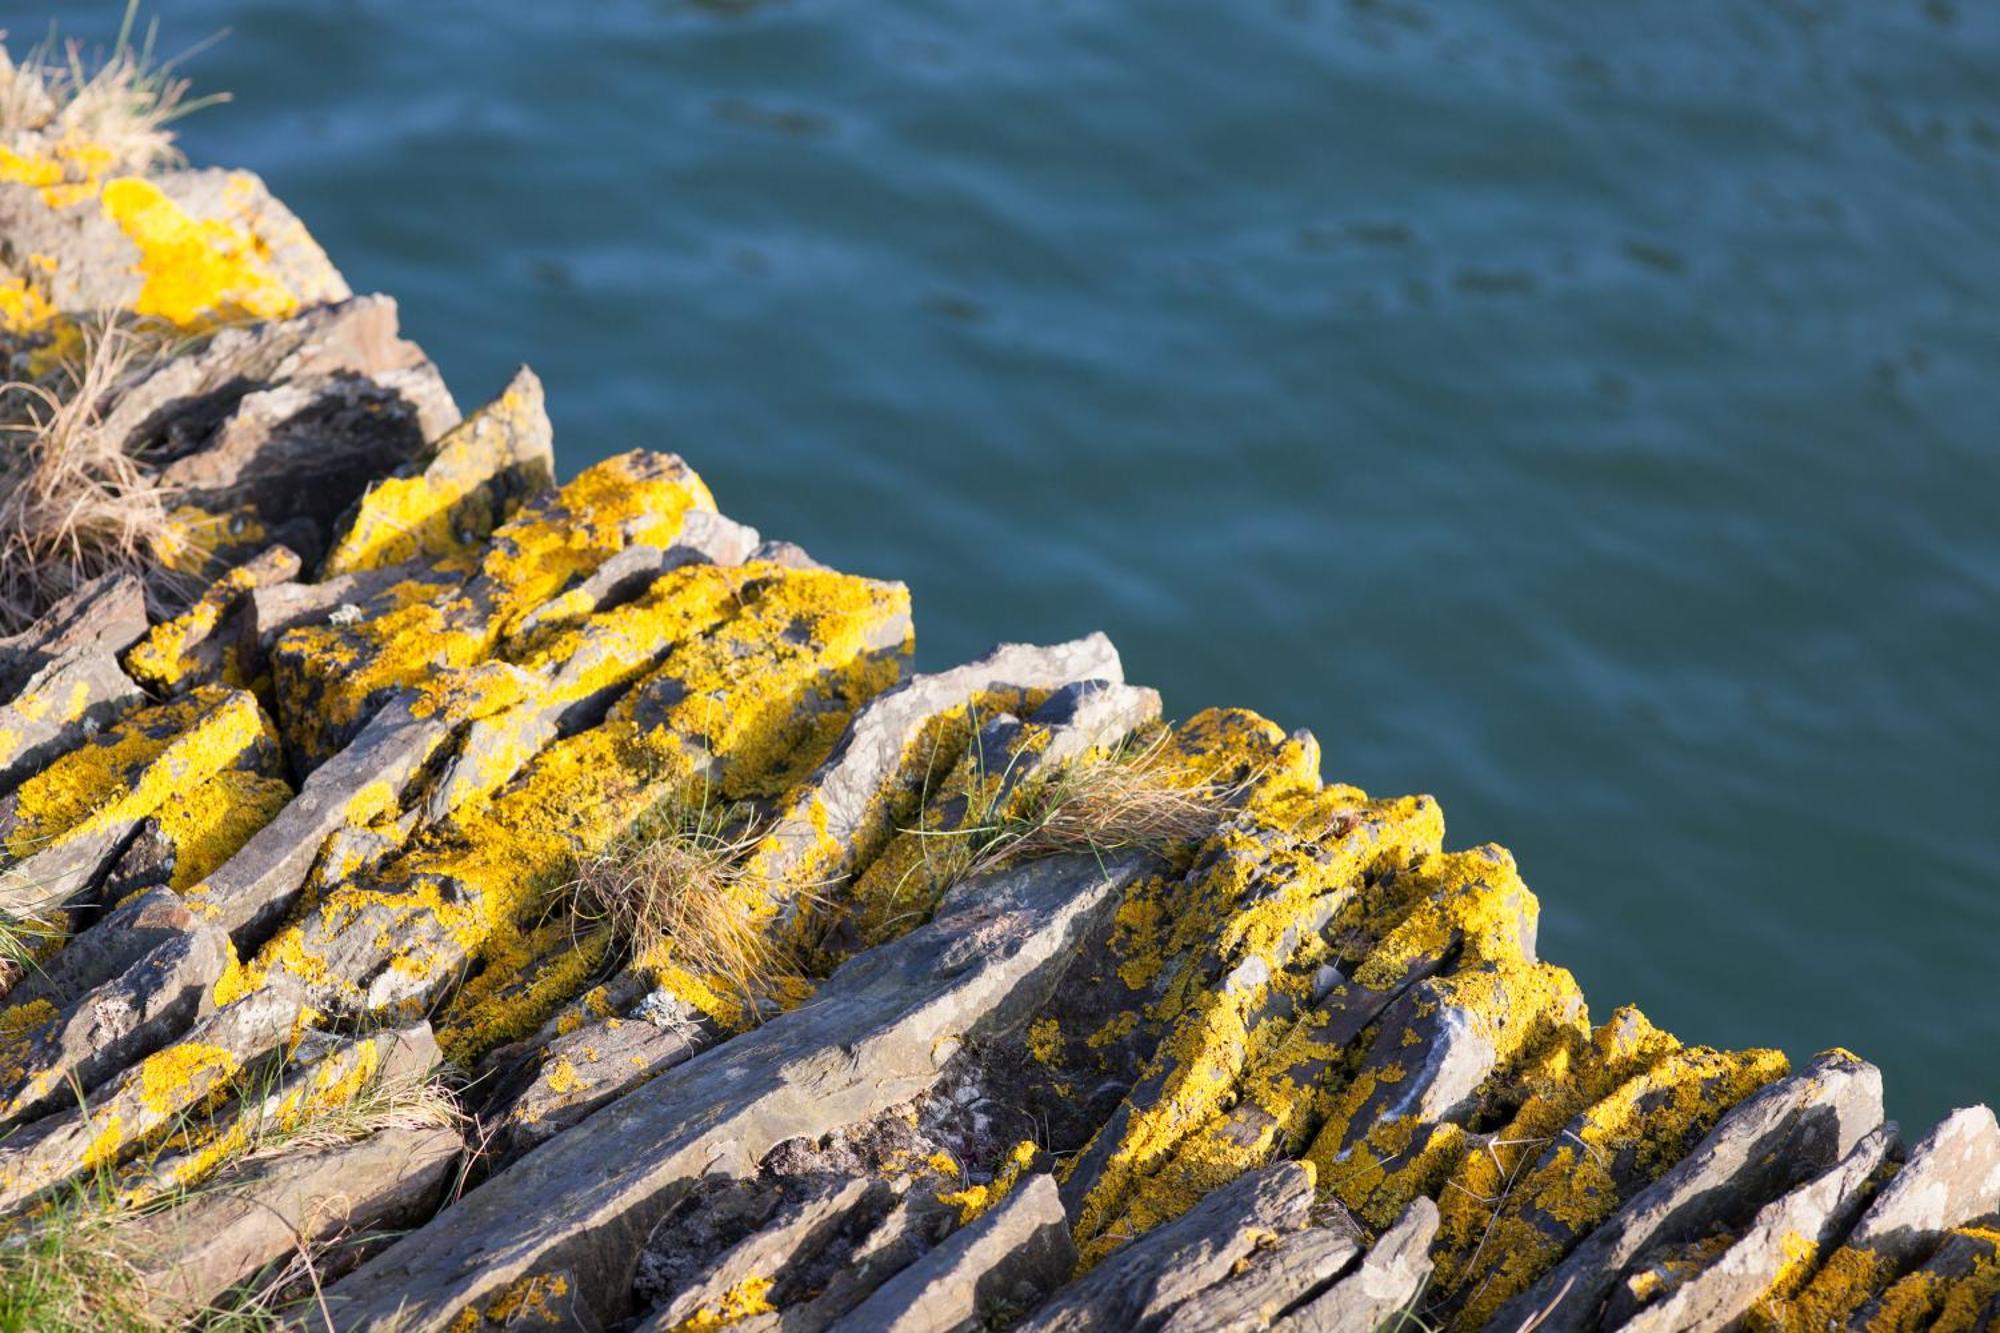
196	271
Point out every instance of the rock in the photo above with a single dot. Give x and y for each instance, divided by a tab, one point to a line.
63	1059
1955	1290
877	1034
1233	973
579	1071
1290	1269
60	677
116	943
840	816
188	247
1388	1280
1005	758
249	892
189	1255
1787	1232
1140	1286
186	839
467	483
145	1098
778	1246
290	458
64	826
318	1079
214	642
1951	1178
1768	1144
1006	1261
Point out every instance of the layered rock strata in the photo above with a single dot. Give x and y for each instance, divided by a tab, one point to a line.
284	854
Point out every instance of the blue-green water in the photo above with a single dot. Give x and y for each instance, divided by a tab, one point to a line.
1585	414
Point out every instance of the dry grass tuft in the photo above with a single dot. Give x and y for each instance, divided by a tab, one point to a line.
120	105
73	503
1129	798
679	888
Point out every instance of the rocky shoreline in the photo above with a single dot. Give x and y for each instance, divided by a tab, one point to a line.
295	826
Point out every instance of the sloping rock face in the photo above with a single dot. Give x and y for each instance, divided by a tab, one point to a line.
280	856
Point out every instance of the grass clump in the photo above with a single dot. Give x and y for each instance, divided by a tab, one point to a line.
111	114
678	888
74	504
1134	796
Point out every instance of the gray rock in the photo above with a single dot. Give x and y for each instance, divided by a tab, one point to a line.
1290	1269
794	1233
215	641
1388	1280
1817	1212
60	677
188	1255
250	891
1004	1261
852	798
1139	1286
145	1098
61	1061
1953	1176
1767	1144
461	487
106	950
876	1035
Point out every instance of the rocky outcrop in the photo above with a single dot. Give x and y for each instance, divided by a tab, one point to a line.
984	997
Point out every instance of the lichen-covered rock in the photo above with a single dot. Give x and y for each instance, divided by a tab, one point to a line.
60	679
1778	1250
188	1255
467	484
62	828
1955	1290
1775	1140
878	1034
213	642
62	1058
1140	1287
147	1098
1951	1178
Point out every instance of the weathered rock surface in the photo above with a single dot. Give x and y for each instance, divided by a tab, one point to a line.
1142	1285
877	1033
60	679
1001	1264
189	1255
1388	1281
1770	1143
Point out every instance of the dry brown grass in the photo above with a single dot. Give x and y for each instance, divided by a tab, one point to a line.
1125	799
679	888
73	503
120	103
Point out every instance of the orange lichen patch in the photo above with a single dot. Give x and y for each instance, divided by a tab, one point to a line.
197	272
165	1077
749	1297
455	500
1953	1293
216	818
136	766
329	676
976	1199
516	993
527	1302
726	712
1848	1279
1543	1183
1271	879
